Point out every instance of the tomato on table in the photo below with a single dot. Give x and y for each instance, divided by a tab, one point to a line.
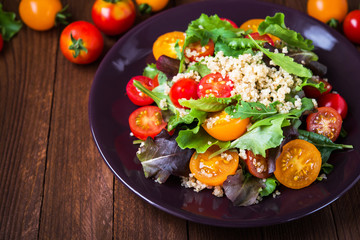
165	44
214	84
41	15
113	17
230	21
312	92
264	37
214	171
155	5
183	88
195	50
351	26
325	10
135	95
146	122
326	121
335	101
81	42
257	165
298	165
224	128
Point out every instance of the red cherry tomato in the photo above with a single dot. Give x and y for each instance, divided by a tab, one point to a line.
1	42
135	95
265	37
146	122
195	50
113	17
257	165
231	22
326	121
334	101
351	26
214	84
81	42
183	88
312	92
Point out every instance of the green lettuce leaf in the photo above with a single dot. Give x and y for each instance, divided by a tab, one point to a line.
271	184
151	71
8	25
191	116
199	67
209	104
320	85
276	26
253	110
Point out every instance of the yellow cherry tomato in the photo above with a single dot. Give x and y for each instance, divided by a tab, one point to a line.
156	5
165	44
214	171
39	15
298	165
253	24
325	10
224	128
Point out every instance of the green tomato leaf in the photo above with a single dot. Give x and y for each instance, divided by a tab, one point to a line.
8	25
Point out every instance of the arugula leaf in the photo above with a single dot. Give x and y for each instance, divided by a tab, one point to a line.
320	85
209	104
199	140
161	157
285	62
199	67
271	184
229	51
322	143
276	26
254	110
8	25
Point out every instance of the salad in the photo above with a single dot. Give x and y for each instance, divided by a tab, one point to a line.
239	110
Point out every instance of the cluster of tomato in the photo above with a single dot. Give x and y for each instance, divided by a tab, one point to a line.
81	42
334	12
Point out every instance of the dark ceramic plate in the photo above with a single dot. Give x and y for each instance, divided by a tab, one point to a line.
109	109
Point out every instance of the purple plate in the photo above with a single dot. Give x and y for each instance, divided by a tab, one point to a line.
109	109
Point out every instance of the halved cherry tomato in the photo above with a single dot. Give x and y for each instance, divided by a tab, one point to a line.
230	21
146	122
335	101
183	88
351	26
298	165
325	10
113	17
165	44
135	95
214	84
326	121
214	171
224	128
41	15
265	37
312	92
81	42
195	50
253	25
257	165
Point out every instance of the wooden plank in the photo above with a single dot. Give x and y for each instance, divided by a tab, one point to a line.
78	195
27	65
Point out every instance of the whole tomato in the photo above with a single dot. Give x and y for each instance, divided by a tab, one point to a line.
41	15
1	42
335	101
325	10
113	17
351	26
81	42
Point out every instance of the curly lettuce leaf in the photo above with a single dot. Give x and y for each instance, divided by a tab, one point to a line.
276	26
192	116
8	25
209	104
161	157
285	62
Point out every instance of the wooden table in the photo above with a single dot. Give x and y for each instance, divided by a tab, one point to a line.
53	181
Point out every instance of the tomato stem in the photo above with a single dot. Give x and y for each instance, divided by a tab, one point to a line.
62	16
144	9
333	23
77	46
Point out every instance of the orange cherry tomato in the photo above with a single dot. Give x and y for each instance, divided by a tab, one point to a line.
298	165
325	10
214	171
253	24
224	128
39	15
156	5
165	44
257	165
264	37
195	50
